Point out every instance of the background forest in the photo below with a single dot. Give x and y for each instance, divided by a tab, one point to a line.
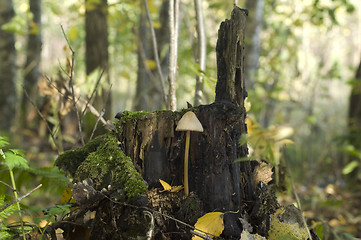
95	58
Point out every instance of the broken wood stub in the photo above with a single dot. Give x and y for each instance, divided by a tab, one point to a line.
230	59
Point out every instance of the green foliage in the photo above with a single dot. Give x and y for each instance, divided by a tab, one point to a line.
16	25
13	160
5	232
266	144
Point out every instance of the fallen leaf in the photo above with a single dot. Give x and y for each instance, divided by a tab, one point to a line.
262	173
165	185
211	223
169	188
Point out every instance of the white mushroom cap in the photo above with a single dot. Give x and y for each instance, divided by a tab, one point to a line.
189	122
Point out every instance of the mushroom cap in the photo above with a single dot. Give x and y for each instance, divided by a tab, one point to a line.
189	122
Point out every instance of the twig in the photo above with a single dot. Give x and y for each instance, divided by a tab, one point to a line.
92	94
19	198
201	235
12	189
201	53
173	29
162	214
155	49
72	85
95	112
96	123
82	102
101	114
44	119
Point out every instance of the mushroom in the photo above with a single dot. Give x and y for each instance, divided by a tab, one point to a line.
189	122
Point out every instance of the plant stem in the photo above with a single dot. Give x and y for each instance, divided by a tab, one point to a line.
186	154
18	204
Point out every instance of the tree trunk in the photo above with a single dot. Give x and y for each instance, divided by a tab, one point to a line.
97	57
33	55
201	52
7	68
253	30
148	95
354	124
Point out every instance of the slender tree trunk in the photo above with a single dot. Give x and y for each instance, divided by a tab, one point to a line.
253	30
148	91
97	56
354	123
173	52
355	104
201	52
33	56
7	68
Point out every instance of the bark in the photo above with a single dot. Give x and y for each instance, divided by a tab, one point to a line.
7	68
230	60
97	56
148	91
33	56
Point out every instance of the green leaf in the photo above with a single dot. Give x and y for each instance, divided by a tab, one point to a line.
16	25
7	211
350	167
3	142
58	209
243	159
13	160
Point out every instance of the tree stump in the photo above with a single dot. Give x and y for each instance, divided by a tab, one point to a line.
157	149
145	146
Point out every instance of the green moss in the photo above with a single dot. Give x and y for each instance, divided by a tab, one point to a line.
70	160
108	165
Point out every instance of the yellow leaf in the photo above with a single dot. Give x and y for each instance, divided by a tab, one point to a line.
176	188
66	197
169	188
211	223
152	7
165	185
157	25
73	33
151	64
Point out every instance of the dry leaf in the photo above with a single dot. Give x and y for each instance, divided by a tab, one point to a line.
211	223
262	173
169	188
67	195
165	185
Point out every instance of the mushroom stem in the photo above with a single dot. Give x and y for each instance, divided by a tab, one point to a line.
186	154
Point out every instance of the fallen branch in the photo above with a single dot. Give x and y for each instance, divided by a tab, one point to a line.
19	198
